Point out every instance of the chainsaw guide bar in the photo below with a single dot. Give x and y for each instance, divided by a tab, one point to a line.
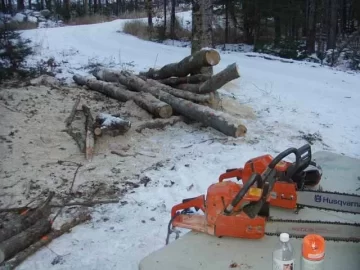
329	201
331	231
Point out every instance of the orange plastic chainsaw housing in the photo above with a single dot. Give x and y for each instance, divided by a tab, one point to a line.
283	193
215	222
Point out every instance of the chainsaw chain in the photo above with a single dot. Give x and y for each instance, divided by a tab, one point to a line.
337	239
301	206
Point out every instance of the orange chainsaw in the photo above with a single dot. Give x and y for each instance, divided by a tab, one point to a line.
242	210
294	186
289	177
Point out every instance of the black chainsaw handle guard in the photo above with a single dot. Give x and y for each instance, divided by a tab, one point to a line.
255	177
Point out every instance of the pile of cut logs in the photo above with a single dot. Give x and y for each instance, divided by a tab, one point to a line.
27	230
176	88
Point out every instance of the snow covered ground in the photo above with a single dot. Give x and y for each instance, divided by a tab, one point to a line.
291	101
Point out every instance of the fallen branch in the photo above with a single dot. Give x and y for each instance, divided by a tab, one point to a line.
120	77
159	123
24	239
28	219
22	255
215	82
220	121
86	203
70	118
120	154
90	137
145	101
190	64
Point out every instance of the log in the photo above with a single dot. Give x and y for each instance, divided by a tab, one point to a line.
173	81
159	123
29	218
106	123
116	76
19	242
231	72
22	255
220	121
89	131
145	101
190	64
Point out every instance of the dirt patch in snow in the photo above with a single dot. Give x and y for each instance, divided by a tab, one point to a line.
38	156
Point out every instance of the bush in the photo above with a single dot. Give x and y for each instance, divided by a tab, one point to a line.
13	51
139	29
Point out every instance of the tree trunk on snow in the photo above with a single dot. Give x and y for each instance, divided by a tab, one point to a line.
220	121
172	20
311	33
19	242
333	24
89	130
196	31
22	255
190	64
215	82
149	12
207	38
145	101
198	78
27	220
202	16
113	76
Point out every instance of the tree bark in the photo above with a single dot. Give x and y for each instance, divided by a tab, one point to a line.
22	255
190	64
19	242
198	78
144	100
220	121
113	76
27	220
89	131
217	81
159	123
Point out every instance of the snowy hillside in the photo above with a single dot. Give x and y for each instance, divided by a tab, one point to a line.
284	104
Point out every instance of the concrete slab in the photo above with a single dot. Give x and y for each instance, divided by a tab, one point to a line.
201	251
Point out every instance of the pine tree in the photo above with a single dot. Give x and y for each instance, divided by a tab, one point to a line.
13	51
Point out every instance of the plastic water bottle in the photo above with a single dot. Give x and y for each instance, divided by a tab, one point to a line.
313	252
283	255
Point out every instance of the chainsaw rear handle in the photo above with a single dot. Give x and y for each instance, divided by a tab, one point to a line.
305	160
253	178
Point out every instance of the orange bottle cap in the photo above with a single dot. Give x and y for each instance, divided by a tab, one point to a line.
313	247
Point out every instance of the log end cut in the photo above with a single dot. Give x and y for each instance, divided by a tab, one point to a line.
212	57
240	131
165	111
